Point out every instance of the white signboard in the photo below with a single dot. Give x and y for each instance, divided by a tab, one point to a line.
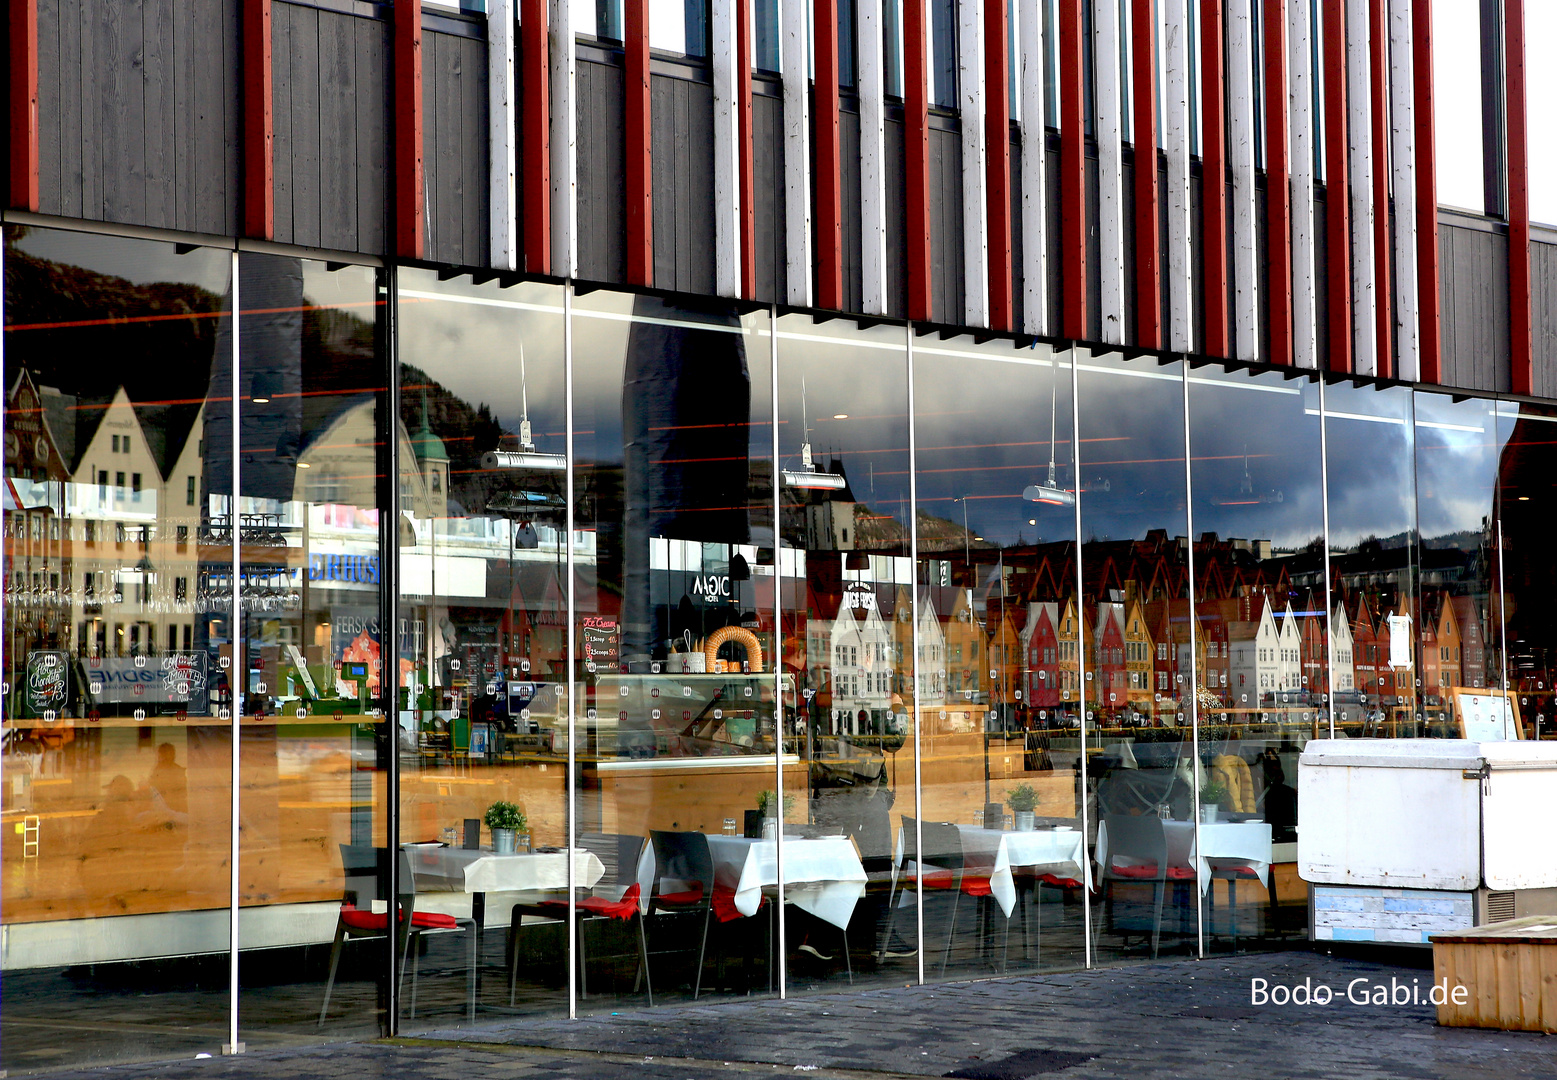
1400	641
1487	717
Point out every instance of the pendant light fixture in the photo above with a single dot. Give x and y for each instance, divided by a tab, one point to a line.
808	476
526	457
1050	492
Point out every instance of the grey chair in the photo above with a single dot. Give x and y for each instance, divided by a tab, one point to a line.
943	853
1141	843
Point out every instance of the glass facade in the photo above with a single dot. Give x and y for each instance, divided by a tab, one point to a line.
567	650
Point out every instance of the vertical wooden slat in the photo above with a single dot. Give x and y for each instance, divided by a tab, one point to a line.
1073	203
1359	180
502	131
1177	97
1241	124
23	63
727	163
1278	188
1521	340
1035	226
562	136
873	190
1429	302
410	212
1338	246
259	163
971	101
1213	178
744	52
1301	127
997	157
1378	71
1108	128
1148	242
639	136
916	154
797	151
829	186
1403	191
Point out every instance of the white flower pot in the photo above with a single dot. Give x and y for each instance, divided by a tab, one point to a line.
1024	820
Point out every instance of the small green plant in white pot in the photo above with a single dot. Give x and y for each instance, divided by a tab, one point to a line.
506	821
1023	800
767	805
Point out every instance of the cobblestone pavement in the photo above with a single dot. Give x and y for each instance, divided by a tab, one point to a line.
1140	1022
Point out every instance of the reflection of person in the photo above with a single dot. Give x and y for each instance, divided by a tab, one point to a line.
1280	800
169	787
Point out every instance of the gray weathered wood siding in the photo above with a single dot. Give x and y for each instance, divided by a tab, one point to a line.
602	192
1543	307
683	132
332	139
767	121
946	270
455	141
1473	322
138	112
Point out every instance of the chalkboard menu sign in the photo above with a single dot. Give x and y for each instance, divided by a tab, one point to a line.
602	641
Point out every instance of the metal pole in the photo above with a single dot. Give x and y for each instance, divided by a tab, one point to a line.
389	608
913	558
236	682
1081	651
1194	671
778	655
1324	485
572	667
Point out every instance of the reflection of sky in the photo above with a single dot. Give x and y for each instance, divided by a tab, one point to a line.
134	260
1132	439
1457	452
1371	482
469	343
1273	420
983	435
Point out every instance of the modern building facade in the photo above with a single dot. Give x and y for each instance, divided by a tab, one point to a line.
668	419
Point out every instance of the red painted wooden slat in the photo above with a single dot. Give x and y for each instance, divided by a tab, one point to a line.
997	162
747	225
1521	342
1338	243
1426	188
1378	72
410	225
1148	213
1073	195
1213	176
828	219
639	144
916	151
23	90
1278	184
535	134
259	164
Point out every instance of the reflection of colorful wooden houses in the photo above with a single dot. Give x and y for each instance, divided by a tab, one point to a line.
930	659
1473	648
1139	663
1440	648
1041	648
1365	649
1005	655
860	650
1314	662
1254	666
1290	673
1106	657
1069	637
1212	645
1343	654
964	649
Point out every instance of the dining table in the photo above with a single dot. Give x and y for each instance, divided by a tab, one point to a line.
1061	851
1218	843
823	875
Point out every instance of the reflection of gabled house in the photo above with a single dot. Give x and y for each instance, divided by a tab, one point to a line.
1041	647
1107	657
1254	663
964	649
860	650
1343	653
1139	662
1440	648
1005	659
1291	648
1211	644
1365	649
1473	649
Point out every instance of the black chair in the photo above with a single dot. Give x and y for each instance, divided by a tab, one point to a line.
684	857
617	895
1140	841
943	851
358	921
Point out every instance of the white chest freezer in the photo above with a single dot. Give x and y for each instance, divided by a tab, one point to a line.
1403	838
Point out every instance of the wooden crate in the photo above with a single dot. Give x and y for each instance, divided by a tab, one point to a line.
1508	970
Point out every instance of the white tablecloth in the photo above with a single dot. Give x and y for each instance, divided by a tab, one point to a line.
822	875
476	871
995	852
1244	842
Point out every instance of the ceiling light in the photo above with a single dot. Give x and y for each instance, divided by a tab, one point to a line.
1524	498
304	465
824	481
840	416
509	459
1046	493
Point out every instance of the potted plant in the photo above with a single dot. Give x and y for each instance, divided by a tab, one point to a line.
1023	800
1212	796
506	821
767	803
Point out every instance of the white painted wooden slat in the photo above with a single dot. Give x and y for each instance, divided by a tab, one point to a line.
1241	125
564	140
1359	172
1176	101
1108	126
975	206
795	68
1035	304
1402	89
502	134
727	162
873	177
1301	143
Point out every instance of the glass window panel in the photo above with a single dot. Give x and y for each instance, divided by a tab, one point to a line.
943	53
1527	575
1135	569
1540	89
315	745
1371	496
679	26
1457	105
482	439
1000	737
676	683
766	21
848	626
1261	623
1458	449
117	609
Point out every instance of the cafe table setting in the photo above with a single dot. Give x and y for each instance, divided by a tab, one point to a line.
1242	843
822	874
1059	850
